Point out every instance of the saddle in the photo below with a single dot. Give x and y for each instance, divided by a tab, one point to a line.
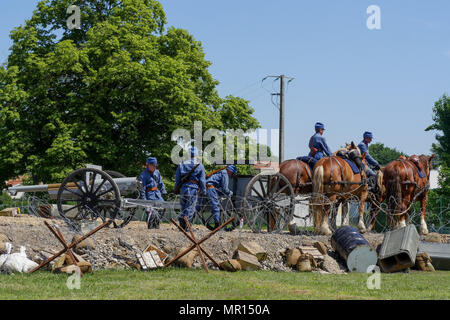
416	161
352	159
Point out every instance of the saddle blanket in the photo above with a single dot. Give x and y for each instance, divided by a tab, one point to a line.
421	173
352	165
309	160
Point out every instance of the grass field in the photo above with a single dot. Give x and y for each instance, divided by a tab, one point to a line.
176	283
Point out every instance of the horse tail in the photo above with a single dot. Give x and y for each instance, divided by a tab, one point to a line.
317	194
394	192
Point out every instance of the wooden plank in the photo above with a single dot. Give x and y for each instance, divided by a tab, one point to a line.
148	260
141	261
156	259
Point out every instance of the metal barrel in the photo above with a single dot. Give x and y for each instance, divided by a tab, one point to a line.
352	246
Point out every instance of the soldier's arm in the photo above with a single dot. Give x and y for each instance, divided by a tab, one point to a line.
177	176
161	185
202	178
325	147
224	184
364	149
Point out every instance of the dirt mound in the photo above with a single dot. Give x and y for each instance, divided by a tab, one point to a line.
112	248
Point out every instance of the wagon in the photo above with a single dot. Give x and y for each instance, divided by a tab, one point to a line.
264	201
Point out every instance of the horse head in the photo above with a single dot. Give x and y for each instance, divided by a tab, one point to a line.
427	164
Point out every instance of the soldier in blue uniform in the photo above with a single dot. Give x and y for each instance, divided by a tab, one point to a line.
216	186
152	189
189	190
364	147
318	145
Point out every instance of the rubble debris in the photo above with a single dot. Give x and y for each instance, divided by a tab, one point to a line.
231	265
423	262
330	265
247	261
321	247
86	244
253	248
438	252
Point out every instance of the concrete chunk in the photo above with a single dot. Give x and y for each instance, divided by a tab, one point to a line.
253	248
230	265
247	261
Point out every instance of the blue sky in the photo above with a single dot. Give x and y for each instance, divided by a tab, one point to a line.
348	77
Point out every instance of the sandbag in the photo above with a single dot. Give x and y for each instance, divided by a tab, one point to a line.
18	262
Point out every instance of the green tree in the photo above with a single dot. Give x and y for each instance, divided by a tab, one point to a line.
110	93
384	154
441	118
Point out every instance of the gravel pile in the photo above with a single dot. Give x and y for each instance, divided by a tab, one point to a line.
116	248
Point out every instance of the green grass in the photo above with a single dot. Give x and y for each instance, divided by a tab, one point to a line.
174	283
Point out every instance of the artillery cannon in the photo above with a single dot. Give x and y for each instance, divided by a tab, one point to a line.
90	193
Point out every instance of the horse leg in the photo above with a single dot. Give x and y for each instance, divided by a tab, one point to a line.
324	228
344	214
402	222
423	224
361	224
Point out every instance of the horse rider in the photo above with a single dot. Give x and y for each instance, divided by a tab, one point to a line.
216	186
152	189
193	172
318	145
364	148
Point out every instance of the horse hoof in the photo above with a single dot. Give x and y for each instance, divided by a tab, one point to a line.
325	231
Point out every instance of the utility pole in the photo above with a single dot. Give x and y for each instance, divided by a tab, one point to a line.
282	107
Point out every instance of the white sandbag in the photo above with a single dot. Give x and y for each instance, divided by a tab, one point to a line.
18	262
3	257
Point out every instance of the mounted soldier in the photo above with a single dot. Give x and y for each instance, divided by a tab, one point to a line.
217	186
317	145
190	181
372	163
152	189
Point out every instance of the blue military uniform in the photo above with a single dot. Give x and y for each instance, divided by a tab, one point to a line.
216	186
363	147
152	185
189	191
152	189
318	142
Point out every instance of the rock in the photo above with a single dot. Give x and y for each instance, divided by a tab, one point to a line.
330	265
188	259
127	243
433	237
86	244
292	256
133	264
231	265
247	261
253	248
304	263
321	247
65	260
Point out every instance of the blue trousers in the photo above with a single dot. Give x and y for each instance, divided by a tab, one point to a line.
188	201
213	201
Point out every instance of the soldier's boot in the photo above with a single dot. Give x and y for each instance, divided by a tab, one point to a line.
216	225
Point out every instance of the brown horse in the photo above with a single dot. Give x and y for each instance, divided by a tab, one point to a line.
404	186
334	182
299	175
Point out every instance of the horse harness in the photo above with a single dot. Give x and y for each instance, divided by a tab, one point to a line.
404	163
342	175
299	185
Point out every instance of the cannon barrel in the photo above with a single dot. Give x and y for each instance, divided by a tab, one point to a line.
124	184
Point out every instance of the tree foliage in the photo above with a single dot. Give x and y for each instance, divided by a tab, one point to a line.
384	154
110	93
441	118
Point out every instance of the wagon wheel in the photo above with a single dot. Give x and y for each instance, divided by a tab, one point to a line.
125	215
91	194
227	210
269	201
